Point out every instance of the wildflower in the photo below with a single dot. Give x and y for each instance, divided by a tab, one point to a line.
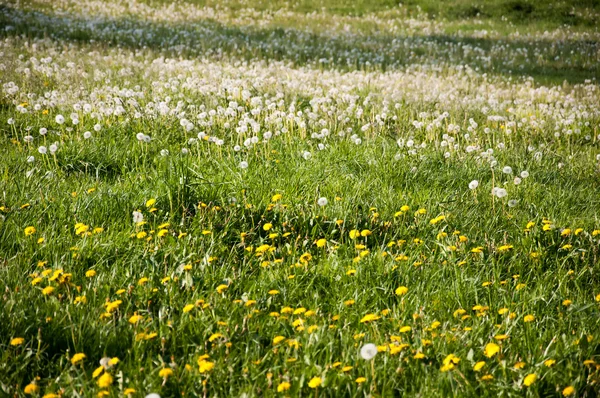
529	379
135	319
77	358
369	318
98	371
315	382
283	386
138	217
47	290
205	366
355	233
491	349
221	288
165	373
519	365
105	380
29	231
528	318
322	202
267	226
17	341
368	351
401	291
215	336
360	380
449	363
477	367
188	308
278	339
568	391
31	389
549	362
90	273
473	184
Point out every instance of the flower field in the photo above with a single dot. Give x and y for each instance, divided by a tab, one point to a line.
253	198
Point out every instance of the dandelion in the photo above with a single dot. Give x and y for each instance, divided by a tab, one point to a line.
401	291
368	351
528	318
29	231
369	318
315	382
243	165
17	341
283	386
529	379
205	366
491	349
222	288
31	389
47	290
568	391
138	217
473	184
165	373
77	358
105	380
322	202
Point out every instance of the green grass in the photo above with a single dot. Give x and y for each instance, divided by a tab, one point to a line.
243	265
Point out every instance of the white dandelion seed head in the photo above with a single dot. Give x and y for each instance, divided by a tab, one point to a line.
322	202
137	217
243	165
499	192
473	184
368	351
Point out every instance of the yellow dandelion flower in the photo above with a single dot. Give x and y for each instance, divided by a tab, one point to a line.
315	382
529	379
283	386
77	358
491	349
105	380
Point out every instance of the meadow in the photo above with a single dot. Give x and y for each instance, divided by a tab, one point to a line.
310	198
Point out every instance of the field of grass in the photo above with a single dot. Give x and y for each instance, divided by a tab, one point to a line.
269	198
